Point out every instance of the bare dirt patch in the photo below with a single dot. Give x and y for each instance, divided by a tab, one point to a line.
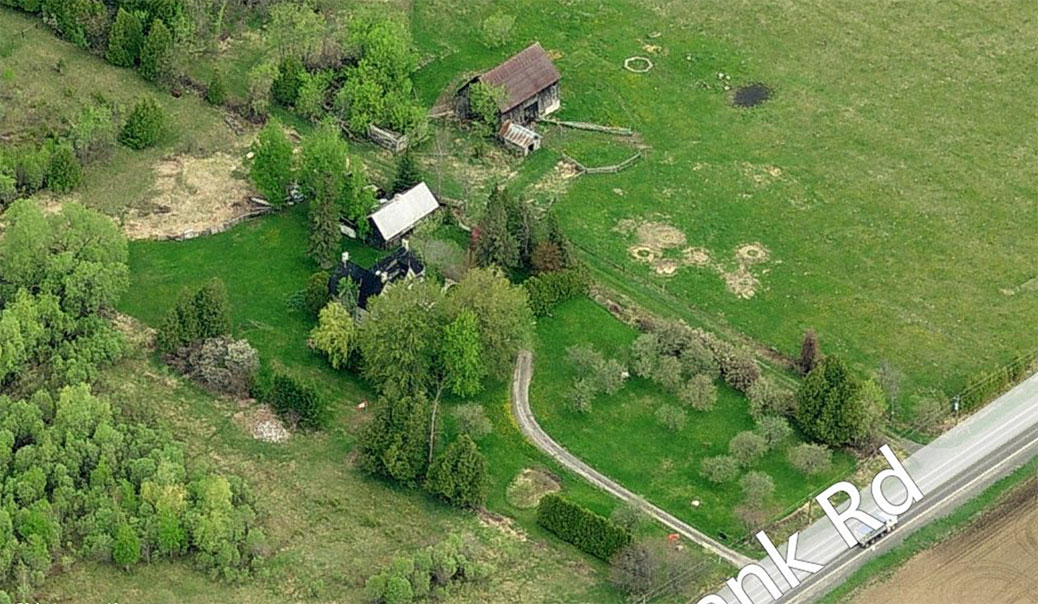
529	486
261	422
191	194
992	561
663	247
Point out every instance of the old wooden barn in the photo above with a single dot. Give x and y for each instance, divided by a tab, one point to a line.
530	82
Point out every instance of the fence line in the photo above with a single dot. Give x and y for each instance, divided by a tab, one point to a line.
618	130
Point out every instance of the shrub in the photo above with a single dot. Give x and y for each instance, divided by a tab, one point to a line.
125	39
768	398
31	169
930	409
316	295
581	527
497	29
775	430
811	458
757	487
629	515
810	353
719	469
459	475
650	568
216	91
548	290
645	355
94	133
293	397
126	551
213	309
739	369
157	54
747	447
673	418
697	359
583	395
63	171
700	393
285	88
144	126
313	92
223	364
260	80
472	420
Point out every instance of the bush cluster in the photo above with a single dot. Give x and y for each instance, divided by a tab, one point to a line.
221	364
429	573
585	529
199	314
548	290
297	400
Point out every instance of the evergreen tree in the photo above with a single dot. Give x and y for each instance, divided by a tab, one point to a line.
285	88
64	171
216	92
463	365
157	54
125	39
271	169
834	407
460	474
359	201
324	232
810	354
144	126
395	443
212	310
495	244
408	173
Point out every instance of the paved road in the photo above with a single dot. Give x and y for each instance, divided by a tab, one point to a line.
529	427
949	471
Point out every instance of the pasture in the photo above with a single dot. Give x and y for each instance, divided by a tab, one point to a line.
887	178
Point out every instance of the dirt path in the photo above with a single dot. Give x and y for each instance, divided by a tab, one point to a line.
993	561
532	430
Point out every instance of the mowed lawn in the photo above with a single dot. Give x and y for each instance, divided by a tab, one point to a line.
891	178
622	438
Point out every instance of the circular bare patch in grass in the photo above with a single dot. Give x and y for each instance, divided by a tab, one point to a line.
529	486
751	95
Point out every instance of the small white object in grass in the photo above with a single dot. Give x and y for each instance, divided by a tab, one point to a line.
695	503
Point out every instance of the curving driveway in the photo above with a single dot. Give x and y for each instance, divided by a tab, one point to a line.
532	430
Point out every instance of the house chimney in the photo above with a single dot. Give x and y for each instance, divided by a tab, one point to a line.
345	258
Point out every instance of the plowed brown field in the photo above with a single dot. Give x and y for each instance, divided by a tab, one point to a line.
993	561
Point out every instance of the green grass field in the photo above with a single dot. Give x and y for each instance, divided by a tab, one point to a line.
622	438
888	178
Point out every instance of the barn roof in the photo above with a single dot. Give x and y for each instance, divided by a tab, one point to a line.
520	136
404	211
522	76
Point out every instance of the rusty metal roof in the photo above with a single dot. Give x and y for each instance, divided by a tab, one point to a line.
523	76
518	135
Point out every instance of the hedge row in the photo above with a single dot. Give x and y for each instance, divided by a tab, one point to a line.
548	290
585	529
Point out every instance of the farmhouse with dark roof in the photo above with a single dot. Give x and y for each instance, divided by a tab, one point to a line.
530	82
401	264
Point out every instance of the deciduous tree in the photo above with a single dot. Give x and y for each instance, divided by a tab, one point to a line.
272	163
